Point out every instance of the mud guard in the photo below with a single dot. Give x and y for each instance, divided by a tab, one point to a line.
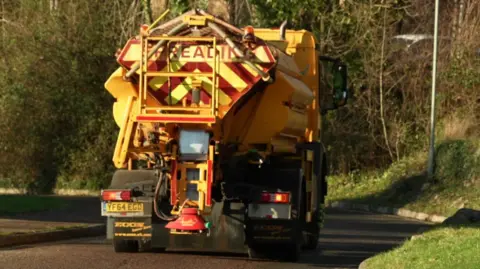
226	235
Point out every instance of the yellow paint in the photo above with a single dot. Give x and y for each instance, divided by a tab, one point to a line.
201	185
133	234
230	76
280	115
207	85
129	224
124	207
261	54
197	20
158	19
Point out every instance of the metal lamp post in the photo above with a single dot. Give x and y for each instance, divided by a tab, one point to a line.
431	155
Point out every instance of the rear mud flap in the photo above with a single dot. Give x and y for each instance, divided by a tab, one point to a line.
271	232
132	228
226	235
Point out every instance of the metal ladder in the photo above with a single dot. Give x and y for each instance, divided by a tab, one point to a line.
175	113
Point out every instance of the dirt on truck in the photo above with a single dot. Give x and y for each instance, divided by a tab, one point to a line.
219	144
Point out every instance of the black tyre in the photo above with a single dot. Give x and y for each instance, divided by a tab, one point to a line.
313	235
121	245
313	228
253	253
285	253
291	253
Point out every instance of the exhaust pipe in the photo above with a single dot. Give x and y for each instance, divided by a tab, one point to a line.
283	29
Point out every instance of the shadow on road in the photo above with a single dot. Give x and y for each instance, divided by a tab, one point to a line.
347	239
77	210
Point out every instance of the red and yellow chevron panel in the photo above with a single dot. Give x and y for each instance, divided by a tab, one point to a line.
235	77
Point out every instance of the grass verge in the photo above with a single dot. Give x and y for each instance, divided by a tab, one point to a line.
441	248
14	204
404	184
49	229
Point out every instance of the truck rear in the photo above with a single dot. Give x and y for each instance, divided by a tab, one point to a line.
218	147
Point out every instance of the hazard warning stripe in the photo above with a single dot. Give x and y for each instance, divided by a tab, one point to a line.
234	78
121	56
181	86
241	71
131	52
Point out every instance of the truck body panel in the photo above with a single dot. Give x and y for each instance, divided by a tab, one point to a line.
218	147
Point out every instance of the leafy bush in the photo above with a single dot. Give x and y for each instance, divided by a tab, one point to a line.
457	161
57	130
404	183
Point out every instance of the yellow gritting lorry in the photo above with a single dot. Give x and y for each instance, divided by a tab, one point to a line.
219	143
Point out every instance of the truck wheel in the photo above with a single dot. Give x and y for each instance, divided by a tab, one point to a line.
253	253
313	236
288	253
122	245
291	253
313	232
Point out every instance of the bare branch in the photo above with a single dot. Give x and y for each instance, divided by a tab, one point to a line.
18	25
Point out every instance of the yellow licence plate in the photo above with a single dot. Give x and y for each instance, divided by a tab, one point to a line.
124	207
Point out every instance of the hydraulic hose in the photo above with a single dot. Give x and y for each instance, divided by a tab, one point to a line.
160	214
224	24
214	26
173	22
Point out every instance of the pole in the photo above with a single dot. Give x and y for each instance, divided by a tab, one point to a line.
431	155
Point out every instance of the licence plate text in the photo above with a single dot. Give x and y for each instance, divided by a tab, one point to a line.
124	207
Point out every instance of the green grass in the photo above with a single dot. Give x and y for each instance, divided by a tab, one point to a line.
404	184
440	248
13	204
49	229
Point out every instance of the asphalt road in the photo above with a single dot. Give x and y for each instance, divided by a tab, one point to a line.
347	239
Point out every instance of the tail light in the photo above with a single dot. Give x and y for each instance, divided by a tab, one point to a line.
276	197
117	195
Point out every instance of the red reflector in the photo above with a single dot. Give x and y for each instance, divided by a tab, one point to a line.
125	195
275	197
265	197
116	195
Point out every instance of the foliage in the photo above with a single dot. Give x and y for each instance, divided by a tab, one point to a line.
404	184
388	117
441	248
457	161
178	7
57	128
58	113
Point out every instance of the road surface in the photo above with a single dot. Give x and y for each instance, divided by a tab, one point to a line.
348	238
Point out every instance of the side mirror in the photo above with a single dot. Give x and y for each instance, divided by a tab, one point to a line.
340	90
333	83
